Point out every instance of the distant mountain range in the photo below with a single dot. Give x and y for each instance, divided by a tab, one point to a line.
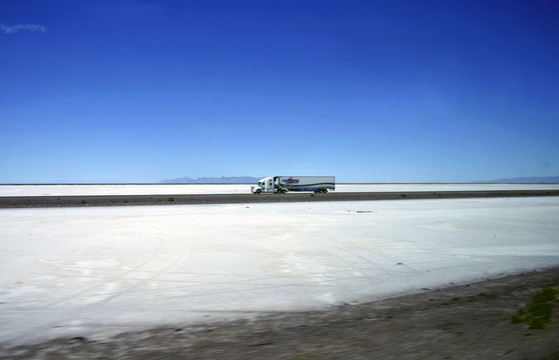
252	180
524	180
214	180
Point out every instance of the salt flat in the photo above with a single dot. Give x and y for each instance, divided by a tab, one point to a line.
99	271
172	189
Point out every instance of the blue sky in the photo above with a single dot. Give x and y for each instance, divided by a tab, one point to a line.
368	91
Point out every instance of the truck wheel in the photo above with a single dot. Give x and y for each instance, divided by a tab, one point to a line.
258	191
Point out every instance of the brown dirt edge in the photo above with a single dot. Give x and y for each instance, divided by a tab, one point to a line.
468	321
192	199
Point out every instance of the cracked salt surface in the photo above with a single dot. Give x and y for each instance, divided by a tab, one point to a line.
98	271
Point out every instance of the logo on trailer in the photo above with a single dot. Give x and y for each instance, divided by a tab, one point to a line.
292	181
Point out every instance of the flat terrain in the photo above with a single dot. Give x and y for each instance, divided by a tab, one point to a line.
189	199
469	321
77	269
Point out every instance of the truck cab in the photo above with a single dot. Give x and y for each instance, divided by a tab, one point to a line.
265	185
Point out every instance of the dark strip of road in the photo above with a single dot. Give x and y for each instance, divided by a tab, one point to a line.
192	199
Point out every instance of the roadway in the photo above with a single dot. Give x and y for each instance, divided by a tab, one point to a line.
192	199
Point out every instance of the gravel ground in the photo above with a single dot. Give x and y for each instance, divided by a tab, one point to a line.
469	321
188	199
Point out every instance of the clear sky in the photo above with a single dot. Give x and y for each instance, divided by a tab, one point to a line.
368	91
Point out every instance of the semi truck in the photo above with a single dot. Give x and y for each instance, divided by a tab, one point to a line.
283	184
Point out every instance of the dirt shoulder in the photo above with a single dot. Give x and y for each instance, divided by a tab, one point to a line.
191	199
460	322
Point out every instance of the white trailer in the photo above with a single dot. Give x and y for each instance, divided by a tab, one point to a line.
283	184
